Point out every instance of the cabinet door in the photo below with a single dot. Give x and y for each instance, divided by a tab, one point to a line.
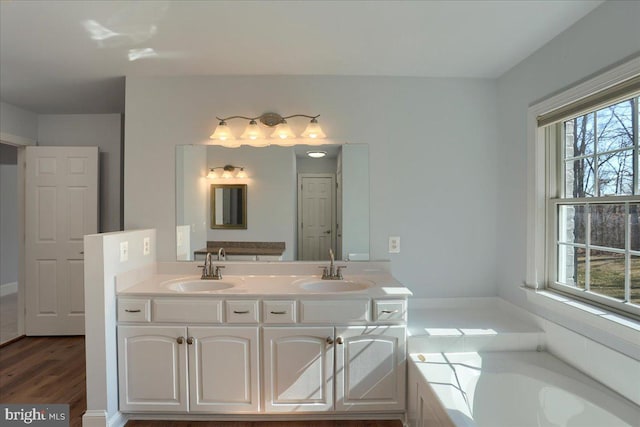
223	369
298	364
152	368
370	368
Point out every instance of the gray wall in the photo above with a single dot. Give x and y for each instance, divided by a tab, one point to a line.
8	214
191	184
433	160
104	131
18	122
603	38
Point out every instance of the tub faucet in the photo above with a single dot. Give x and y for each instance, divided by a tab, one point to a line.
222	254
332	272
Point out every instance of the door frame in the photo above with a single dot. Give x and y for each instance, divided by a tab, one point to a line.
333	208
20	143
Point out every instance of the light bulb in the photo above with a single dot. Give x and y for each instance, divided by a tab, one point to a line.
242	174
252	131
212	174
313	130
227	175
283	131
222	132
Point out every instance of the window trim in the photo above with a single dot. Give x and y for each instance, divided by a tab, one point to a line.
540	227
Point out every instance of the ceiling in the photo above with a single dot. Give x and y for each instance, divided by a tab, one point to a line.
72	56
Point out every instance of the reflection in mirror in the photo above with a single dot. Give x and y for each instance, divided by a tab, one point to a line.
229	206
310	204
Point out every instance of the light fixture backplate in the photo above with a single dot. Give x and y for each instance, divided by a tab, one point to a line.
271	119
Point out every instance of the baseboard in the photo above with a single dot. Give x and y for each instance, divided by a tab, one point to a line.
8	288
98	418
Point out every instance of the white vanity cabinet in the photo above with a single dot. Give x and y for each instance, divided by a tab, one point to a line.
298	369
222	366
152	368
370	368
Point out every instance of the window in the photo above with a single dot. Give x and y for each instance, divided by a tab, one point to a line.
593	202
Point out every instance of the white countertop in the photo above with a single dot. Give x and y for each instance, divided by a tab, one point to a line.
379	285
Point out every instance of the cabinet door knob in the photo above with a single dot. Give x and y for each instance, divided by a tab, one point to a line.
329	340
180	340
339	340
190	340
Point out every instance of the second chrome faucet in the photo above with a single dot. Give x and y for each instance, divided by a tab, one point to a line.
332	272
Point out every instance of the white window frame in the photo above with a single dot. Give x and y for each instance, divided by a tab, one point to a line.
541	227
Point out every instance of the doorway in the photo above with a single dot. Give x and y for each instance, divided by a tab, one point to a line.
316	216
9	244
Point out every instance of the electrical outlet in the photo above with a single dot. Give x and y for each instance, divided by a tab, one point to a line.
394	245
124	251
146	246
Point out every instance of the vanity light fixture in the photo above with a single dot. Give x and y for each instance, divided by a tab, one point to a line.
228	172
316	154
254	136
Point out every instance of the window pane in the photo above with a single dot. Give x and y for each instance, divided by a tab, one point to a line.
578	136
572	226
607	274
634	222
615	173
571	266
635	279
608	225
615	126
579	178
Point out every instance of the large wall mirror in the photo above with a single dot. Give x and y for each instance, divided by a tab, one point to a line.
289	199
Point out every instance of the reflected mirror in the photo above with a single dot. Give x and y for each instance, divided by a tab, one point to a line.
228	206
298	207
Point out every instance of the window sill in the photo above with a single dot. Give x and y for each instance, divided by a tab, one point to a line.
610	322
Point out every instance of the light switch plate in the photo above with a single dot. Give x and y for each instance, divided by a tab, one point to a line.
146	246
394	244
124	251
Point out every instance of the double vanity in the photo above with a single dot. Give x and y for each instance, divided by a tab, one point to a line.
264	339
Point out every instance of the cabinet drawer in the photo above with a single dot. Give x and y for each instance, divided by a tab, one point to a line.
134	310
392	310
187	310
279	311
240	311
356	310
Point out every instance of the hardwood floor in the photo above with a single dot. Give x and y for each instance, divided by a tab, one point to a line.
45	370
52	370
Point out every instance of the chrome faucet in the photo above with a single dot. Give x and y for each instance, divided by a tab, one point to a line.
222	254
332	272
209	272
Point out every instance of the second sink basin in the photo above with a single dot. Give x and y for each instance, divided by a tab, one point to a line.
200	285
334	285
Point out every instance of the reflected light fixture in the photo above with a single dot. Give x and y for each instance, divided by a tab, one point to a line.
316	154
227	172
254	136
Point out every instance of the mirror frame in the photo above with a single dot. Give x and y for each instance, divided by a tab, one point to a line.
243	225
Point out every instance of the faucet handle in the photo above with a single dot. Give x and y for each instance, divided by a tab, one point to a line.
217	273
339	271
325	272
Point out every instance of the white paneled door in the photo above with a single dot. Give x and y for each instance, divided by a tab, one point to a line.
316	216
61	206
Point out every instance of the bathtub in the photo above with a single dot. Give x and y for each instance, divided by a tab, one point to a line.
513	389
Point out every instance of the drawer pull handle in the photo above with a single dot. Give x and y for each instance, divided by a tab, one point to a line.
240	311
389	311
132	311
279	312
180	340
190	340
339	340
329	340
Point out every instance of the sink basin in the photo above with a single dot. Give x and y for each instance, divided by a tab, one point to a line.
200	285
334	285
